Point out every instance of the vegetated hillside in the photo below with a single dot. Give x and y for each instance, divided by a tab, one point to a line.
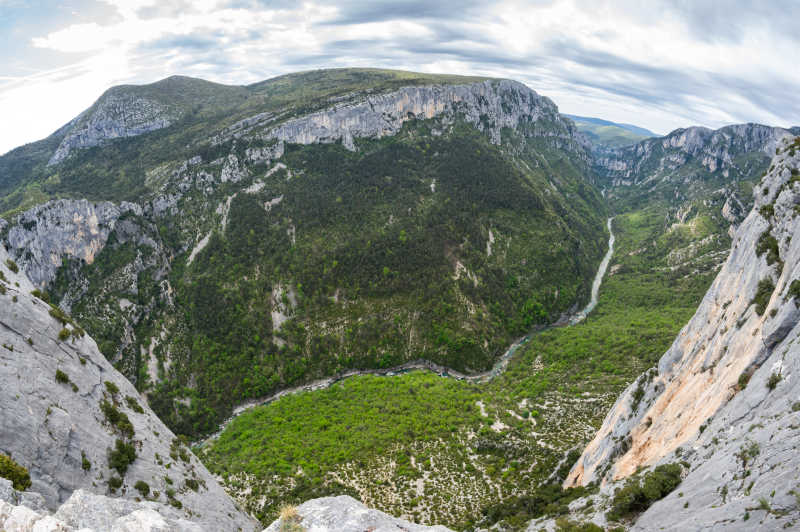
460	454
605	134
721	399
308	224
71	422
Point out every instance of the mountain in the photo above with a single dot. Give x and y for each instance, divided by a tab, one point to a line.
720	402
605	134
264	236
84	435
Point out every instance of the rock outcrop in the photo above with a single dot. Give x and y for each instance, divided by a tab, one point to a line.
345	514
723	399
76	423
687	152
42	236
490	106
118	113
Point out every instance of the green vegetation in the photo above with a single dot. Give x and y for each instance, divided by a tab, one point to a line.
133	404
17	474
769	245
121	456
62	377
86	465
773	381
763	294
609	134
794	292
12	265
142	487
362	424
639	494
112	388
118	420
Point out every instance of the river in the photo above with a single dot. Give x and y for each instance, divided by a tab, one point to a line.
422	364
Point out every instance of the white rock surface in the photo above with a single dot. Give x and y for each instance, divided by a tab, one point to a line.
49	427
694	407
345	514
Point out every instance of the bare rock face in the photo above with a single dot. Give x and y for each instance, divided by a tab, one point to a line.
490	106
345	514
723	397
116	114
43	235
66	412
689	150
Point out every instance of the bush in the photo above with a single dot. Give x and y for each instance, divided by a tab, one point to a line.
62	377
142	487
18	475
134	405
41	295
191	484
767	244
63	334
638	495
12	265
115	482
794	292
763	294
773	381
121	456
117	419
86	465
112	388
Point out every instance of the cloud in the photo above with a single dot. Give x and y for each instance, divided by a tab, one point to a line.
660	64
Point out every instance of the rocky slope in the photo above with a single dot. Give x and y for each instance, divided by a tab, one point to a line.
77	424
722	399
344	219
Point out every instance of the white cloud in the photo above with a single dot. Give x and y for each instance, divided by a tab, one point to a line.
660	64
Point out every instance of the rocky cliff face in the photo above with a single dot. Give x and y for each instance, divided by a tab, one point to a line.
722	398
490	106
689	152
44	235
117	114
77	423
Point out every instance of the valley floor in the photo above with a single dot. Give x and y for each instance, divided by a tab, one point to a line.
464	454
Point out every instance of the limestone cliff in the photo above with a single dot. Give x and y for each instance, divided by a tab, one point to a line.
76	423
722	398
690	152
116	114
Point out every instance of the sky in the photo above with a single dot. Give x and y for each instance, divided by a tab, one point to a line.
655	64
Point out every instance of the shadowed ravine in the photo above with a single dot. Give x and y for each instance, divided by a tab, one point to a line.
423	364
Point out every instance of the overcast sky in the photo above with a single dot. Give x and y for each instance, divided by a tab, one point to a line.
659	65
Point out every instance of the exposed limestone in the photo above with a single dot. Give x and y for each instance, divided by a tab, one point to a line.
43	235
722	398
345	514
56	428
116	114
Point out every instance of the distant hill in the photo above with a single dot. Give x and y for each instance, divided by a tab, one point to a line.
610	134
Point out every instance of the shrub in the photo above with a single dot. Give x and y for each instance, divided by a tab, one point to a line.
638	495
769	245
794	292
17	474
63	334
41	295
763	294
12	265
142	487
134	405
115	482
767	211
86	465
62	377
191	484
744	378
773	381
121	456
112	388
117	419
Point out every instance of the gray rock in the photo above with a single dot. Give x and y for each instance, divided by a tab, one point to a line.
41	236
51	427
116	114
345	514
738	437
